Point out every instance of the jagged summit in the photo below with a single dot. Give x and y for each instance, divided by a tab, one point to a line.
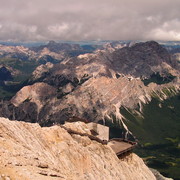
51	43
141	59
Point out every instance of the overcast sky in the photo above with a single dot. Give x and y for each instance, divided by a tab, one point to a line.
43	20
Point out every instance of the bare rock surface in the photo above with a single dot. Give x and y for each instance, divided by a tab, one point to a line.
28	152
37	93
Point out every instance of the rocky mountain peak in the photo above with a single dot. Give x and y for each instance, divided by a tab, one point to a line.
50	43
141	59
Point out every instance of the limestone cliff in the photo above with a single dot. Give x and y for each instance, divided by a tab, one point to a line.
28	152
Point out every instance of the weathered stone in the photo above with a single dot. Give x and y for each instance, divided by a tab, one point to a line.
61	156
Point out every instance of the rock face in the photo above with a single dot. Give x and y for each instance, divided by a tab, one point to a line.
142	59
28	151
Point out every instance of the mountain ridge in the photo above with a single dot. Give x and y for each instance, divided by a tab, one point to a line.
92	83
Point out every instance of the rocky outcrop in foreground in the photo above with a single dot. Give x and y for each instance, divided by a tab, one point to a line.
28	151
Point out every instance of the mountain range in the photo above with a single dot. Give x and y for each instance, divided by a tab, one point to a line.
119	85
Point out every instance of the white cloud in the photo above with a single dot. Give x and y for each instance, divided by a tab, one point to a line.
160	34
32	29
168	30
86	20
58	29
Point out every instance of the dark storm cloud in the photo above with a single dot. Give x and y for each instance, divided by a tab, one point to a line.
86	20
